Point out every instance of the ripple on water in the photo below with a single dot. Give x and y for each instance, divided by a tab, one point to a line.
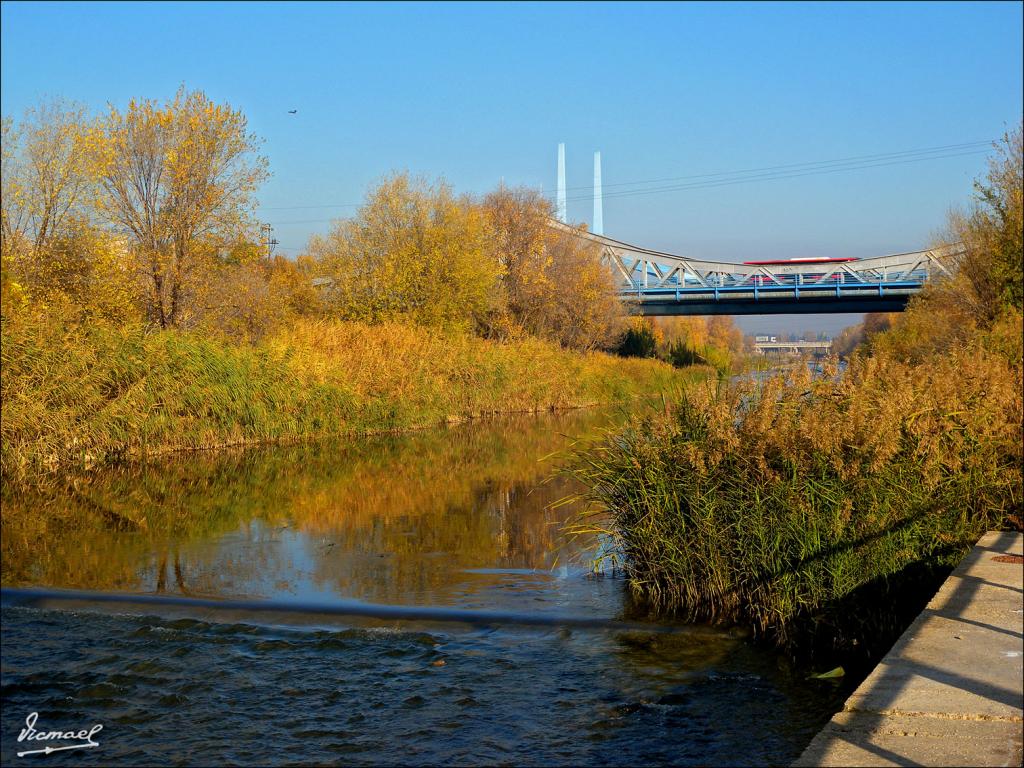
173	690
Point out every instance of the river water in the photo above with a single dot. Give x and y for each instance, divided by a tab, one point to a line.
461	518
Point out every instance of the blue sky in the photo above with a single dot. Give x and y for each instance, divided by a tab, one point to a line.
482	92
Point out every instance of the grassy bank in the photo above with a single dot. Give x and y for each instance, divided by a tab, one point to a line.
75	395
777	504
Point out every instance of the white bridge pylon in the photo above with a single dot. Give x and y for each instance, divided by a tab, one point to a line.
652	277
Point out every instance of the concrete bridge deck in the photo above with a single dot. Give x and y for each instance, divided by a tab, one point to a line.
821	347
951	690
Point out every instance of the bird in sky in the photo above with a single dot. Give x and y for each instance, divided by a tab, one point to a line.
292	111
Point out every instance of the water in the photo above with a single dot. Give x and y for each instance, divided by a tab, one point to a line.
456	518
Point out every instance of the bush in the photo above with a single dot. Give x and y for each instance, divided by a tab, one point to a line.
638	341
680	355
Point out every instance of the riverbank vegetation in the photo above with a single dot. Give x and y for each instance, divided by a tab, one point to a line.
142	310
713	342
76	394
815	509
850	339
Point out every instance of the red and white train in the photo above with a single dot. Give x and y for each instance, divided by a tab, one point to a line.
823	274
800	261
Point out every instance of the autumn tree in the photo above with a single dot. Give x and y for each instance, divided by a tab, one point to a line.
45	186
584	312
413	251
723	334
178	180
992	235
694	340
45	178
848	340
690	331
519	220
246	296
292	281
55	254
553	282
11	202
877	322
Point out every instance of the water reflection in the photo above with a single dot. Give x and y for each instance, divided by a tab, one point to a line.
446	518
458	516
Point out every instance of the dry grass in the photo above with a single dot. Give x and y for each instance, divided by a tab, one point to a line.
774	504
75	396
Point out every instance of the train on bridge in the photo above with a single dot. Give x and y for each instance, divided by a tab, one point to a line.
659	283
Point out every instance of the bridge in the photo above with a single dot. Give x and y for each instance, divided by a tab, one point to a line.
658	283
796	347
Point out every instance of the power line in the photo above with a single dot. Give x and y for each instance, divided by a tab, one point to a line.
776	176
840	160
796	172
304	221
924	152
300	207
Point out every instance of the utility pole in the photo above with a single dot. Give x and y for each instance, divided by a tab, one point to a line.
268	239
560	210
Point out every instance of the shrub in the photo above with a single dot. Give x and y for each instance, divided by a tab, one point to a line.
638	341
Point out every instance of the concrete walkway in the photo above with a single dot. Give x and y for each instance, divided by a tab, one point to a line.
951	690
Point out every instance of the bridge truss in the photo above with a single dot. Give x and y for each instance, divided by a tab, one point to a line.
658	283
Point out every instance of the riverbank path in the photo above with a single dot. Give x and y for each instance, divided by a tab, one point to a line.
950	690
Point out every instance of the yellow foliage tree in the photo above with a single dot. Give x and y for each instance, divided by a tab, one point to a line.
413	251
992	235
44	173
985	294
723	334
690	331
712	340
519	219
585	312
178	179
245	296
54	256
554	284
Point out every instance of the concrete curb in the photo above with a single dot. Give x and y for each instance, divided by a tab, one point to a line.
951	690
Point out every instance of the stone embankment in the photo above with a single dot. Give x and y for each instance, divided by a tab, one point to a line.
951	690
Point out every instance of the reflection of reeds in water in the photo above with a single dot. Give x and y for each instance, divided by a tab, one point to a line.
473	492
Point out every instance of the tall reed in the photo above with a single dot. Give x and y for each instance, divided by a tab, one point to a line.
773	503
76	395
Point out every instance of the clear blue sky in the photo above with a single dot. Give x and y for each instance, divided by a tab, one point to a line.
477	93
